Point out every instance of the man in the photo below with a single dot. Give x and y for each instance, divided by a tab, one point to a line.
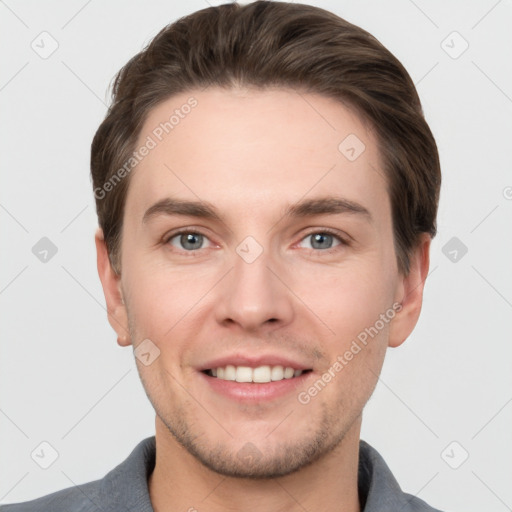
267	189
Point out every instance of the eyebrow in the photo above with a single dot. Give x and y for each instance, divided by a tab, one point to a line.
328	205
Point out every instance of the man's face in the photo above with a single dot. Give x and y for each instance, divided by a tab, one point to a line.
254	287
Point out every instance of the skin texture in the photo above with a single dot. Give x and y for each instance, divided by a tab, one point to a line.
250	154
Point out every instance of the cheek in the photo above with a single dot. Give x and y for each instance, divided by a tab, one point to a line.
165	302
157	301
347	300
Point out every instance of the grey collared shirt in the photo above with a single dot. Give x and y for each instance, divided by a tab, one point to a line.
125	488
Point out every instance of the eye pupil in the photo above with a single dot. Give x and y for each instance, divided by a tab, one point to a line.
191	240
318	238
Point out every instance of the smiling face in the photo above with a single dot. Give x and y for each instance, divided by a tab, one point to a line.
253	240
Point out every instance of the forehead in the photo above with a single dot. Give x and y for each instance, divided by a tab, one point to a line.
246	149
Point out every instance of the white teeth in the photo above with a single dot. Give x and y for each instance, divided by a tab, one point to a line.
261	374
288	372
277	373
230	372
243	374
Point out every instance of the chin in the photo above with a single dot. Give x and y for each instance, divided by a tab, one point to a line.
262	459
250	463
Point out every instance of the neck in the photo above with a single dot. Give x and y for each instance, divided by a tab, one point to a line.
179	482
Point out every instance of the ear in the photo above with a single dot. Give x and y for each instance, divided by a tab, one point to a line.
409	293
111	282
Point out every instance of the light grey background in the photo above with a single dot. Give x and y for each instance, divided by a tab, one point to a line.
64	379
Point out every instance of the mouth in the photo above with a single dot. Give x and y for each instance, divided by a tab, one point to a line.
255	378
257	375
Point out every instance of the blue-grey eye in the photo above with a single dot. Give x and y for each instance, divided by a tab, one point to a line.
321	240
189	240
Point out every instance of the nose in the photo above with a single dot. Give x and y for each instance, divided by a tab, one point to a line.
254	296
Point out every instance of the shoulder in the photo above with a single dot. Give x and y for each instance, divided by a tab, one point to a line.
123	488
415	504
378	488
82	498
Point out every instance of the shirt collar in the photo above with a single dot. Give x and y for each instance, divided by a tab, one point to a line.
127	483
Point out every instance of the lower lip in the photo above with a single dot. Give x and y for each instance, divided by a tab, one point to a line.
255	391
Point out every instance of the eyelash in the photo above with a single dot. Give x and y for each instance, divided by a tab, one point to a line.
325	231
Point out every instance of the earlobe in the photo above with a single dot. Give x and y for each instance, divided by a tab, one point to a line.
409	293
111	283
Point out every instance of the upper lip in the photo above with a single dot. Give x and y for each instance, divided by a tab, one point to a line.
254	361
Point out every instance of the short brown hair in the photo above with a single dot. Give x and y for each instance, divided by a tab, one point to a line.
268	44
